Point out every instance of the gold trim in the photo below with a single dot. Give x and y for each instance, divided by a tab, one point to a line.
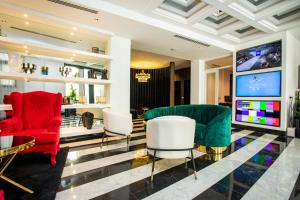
16	149
211	150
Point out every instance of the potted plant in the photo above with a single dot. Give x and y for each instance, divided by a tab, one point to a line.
73	94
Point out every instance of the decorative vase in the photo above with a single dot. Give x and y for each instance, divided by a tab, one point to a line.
87	120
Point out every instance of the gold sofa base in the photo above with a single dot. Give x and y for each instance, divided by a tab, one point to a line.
211	150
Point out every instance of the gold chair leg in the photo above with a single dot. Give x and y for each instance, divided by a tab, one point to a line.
5	165
16	184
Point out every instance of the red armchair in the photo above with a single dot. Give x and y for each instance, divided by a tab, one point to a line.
36	114
6	100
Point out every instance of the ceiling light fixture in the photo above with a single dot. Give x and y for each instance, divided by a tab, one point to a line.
26	23
74	28
71	33
218	13
25	15
242	10
268	24
25	47
142	77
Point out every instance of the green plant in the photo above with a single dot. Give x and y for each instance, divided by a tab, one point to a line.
73	93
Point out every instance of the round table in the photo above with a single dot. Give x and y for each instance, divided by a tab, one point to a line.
10	146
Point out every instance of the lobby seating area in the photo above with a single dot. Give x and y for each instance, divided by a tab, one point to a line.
213	122
150	100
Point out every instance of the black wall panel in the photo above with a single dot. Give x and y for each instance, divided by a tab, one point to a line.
155	93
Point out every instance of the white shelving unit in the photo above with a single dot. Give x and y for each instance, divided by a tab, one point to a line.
47	78
37	49
60	53
86	106
100	106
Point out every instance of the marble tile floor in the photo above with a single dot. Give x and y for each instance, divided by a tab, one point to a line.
256	166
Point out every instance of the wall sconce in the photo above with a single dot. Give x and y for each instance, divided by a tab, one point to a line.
65	71
28	68
142	77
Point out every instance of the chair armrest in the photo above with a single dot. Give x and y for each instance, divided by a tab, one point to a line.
8	125
218	130
54	124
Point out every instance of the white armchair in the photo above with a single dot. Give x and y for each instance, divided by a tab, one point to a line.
116	123
171	137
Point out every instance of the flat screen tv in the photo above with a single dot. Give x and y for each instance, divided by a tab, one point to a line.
266	84
259	57
258	112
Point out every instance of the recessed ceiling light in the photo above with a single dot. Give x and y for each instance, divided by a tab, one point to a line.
26	51
25	47
25	15
26	23
74	28
71	33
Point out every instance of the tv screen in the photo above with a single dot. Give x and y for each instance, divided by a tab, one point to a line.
267	84
258	112
259	57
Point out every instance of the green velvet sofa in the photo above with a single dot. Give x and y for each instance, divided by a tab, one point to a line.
213	122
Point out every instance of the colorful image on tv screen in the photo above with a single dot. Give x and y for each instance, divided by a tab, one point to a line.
267	84
258	112
259	57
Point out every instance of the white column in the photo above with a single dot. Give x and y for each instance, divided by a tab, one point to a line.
119	91
198	82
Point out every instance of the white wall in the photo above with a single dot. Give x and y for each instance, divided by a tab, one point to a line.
290	62
198	82
119	93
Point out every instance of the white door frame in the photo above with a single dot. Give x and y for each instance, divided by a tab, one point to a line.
210	71
217	71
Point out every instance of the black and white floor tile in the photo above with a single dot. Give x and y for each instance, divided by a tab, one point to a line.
256	166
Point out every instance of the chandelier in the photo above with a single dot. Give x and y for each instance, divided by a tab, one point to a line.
142	77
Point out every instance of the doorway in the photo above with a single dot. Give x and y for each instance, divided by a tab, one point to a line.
212	80
182	86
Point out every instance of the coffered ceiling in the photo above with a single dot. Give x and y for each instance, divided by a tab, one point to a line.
233	20
186	29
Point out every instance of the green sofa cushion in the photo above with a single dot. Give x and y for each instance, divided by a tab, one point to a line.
201	131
